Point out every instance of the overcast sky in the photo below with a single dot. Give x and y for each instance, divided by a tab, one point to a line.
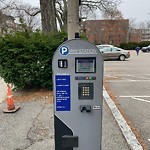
131	9
138	9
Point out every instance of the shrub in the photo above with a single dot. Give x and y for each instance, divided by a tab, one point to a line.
26	58
132	45
129	46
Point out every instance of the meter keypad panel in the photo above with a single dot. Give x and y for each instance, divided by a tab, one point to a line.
85	91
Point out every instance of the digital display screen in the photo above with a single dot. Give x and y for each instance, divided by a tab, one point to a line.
86	65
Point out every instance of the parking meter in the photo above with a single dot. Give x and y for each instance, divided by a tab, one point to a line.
78	93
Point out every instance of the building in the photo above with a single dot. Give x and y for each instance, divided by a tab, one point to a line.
145	34
107	31
135	35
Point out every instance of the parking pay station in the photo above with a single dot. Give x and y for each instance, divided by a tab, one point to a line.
78	94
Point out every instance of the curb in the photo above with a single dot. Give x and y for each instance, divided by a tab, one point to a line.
126	130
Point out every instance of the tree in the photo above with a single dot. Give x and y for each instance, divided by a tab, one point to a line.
23	14
145	30
112	14
53	11
48	14
103	5
61	14
27	16
87	6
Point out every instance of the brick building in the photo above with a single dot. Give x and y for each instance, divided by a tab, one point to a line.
135	35
107	31
145	33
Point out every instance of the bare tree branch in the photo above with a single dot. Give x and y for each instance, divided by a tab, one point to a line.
25	12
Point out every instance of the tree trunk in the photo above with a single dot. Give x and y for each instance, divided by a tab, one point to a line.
64	18
48	15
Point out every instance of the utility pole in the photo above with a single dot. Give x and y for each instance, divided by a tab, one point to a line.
73	18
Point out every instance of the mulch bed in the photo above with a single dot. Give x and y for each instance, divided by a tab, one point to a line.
33	95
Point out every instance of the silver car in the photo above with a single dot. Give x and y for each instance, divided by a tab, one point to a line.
114	53
103	46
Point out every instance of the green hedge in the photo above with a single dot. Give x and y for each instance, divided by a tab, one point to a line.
132	45
26	58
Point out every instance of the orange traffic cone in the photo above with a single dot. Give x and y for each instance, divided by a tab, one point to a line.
10	102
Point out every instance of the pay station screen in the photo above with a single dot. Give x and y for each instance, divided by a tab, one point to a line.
85	65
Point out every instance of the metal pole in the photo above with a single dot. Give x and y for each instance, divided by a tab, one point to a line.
73	18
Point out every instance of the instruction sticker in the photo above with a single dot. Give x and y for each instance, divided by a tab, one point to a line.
62	92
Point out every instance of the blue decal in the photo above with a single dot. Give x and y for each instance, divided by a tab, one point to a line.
64	50
62	92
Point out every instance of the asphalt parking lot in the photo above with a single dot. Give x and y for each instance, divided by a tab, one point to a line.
31	128
129	82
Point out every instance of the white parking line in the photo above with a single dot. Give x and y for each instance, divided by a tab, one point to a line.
135	76
135	96
128	80
147	74
139	99
122	77
126	130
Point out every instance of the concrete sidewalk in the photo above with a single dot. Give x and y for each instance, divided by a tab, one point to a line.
3	90
31	128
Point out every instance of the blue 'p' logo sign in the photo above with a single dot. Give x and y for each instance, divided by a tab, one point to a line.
64	50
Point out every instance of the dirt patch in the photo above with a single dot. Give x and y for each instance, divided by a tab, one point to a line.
115	70
111	94
33	95
113	78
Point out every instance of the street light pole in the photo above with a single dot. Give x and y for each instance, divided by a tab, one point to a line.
73	18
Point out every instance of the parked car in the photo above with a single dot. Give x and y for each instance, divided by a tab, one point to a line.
146	49
114	53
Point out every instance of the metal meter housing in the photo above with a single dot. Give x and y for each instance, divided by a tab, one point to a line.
78	95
